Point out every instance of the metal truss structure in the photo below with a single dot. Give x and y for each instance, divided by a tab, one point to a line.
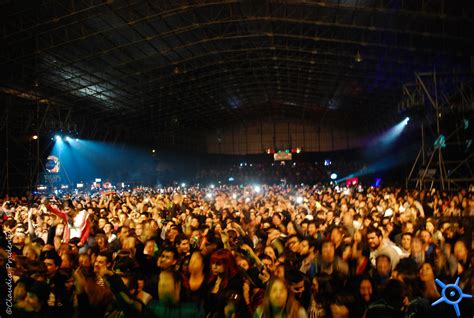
445	103
24	116
171	66
167	72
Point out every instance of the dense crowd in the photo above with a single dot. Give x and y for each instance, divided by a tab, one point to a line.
290	172
267	251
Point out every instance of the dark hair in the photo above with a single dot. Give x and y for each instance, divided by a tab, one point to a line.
107	256
38	240
41	290
374	230
407	266
179	238
394	293
36	267
294	276
365	277
52	255
68	203
171	249
383	256
125	264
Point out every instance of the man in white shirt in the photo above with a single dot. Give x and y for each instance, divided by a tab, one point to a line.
377	247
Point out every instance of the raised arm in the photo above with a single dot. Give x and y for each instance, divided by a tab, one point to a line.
55	211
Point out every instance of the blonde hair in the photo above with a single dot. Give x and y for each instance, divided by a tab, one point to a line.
292	306
32	247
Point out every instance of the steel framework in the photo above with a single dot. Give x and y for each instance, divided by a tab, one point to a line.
437	164
184	64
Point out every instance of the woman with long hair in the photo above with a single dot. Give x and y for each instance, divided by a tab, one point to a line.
427	277
195	278
279	302
225	283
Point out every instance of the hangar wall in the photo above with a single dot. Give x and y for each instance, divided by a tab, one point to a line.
257	136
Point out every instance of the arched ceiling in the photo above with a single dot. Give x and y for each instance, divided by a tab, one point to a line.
159	66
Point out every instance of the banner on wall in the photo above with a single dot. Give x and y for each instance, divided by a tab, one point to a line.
282	156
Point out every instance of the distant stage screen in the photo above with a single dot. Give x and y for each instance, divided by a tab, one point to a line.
52	164
280	156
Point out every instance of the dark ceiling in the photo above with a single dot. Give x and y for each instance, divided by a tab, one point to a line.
159	66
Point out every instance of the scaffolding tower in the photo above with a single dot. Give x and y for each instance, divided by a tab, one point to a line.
444	102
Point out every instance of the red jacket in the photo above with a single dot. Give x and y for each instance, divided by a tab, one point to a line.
65	217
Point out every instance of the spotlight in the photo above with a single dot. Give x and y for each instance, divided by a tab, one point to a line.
153	151
358	57
58	138
212	186
378	181
333	176
407	119
231	179
68	139
183	185
35	137
257	188
76	139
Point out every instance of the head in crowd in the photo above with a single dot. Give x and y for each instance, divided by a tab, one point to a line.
223	264
279	299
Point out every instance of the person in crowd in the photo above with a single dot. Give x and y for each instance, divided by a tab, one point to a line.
390	305
225	280
364	296
377	247
316	307
405	245
195	282
383	270
170	304
35	303
279	302
427	277
76	223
